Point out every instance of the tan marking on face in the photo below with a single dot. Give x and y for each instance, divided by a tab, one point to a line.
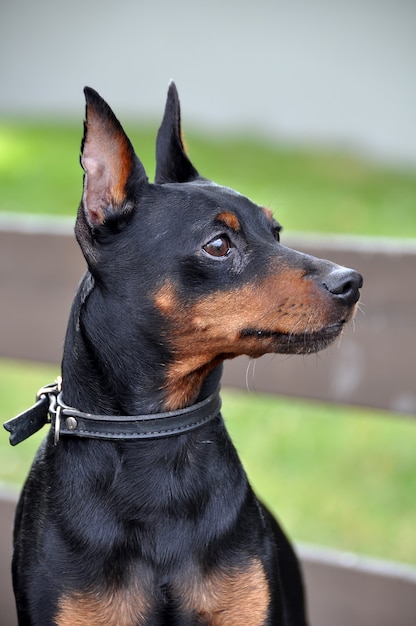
210	330
165	299
230	220
268	214
124	607
229	598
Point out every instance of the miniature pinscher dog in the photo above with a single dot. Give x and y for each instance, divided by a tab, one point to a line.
137	510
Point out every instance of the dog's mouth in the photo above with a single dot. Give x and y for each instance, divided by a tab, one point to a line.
295	343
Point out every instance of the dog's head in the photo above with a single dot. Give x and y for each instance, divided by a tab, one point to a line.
193	267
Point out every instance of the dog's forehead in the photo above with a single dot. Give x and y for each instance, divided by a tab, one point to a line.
206	195
211	185
205	186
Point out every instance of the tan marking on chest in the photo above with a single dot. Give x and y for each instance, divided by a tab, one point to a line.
124	607
236	598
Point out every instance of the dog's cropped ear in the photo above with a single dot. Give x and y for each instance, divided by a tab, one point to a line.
109	163
172	163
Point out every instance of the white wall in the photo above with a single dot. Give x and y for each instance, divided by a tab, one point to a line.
332	70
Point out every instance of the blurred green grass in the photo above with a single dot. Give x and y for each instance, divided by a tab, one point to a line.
334	475
315	190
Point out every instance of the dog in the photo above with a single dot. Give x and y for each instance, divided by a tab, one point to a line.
137	510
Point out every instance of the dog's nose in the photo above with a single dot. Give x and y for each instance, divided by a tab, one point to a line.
344	284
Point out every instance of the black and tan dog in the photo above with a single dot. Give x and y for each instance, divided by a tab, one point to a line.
137	511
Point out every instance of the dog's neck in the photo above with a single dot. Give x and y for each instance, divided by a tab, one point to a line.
108	381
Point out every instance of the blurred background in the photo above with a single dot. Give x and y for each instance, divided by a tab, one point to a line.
327	71
308	108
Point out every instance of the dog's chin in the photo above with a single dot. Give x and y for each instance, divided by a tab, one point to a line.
293	343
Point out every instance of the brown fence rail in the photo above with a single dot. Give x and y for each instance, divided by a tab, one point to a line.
40	267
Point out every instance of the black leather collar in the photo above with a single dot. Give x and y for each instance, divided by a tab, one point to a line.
66	420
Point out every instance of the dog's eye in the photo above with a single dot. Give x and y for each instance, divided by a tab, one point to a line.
276	232
220	246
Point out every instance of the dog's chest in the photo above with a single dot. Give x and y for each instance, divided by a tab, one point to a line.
222	598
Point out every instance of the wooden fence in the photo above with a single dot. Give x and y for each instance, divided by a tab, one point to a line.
40	266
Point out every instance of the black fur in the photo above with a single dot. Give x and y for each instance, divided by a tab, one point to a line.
162	523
